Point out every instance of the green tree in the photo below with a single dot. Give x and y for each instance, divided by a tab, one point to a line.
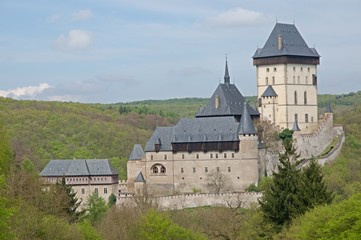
284	199
74	214
112	199
96	208
157	226
315	186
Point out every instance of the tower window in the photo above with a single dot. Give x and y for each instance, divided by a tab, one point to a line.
182	156
182	170
298	79
211	155
266	80
294	79
275	69
267	69
232	155
296	117
151	157
217	169
306	118
308	69
306	80
294	69
216	155
273	80
295	96
229	169
194	170
206	169
301	69
197	156
305	97
165	157
162	169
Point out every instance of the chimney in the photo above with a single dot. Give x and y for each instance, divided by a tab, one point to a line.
279	41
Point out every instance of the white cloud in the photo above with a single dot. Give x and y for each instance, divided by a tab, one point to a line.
30	91
237	17
82	15
75	40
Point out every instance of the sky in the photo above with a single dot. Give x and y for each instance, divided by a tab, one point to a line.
110	51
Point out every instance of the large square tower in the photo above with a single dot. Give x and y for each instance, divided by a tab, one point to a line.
287	80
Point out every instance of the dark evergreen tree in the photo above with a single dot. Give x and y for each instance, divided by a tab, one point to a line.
112	199
74	214
284	198
315	186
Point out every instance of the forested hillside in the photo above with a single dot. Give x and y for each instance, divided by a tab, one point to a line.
40	131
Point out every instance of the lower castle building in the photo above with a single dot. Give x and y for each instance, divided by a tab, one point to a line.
196	153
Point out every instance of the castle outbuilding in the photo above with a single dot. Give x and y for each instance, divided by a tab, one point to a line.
220	139
287	80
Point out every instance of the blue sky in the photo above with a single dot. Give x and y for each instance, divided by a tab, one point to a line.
108	51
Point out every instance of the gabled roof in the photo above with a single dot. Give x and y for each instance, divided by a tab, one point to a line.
212	129
78	167
230	103
269	92
140	178
246	124
137	152
292	43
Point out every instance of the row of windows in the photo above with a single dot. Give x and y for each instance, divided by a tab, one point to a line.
225	155
294	69
85	179
294	80
105	190
304	98
205	169
306	118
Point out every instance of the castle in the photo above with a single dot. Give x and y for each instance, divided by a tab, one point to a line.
221	141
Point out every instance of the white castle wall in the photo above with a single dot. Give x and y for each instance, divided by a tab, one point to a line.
312	145
198	200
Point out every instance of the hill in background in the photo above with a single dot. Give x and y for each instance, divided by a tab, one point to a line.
41	131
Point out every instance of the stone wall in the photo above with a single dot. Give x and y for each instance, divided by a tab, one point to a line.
309	145
197	200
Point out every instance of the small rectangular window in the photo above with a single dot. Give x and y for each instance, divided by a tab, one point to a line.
211	155
182	156
182	170
217	169
216	155
96	190
151	157
206	169
225	155
194	170
165	157
105	190
301	69
82	191
306	118
232	155
229	169
267	69
275	69
197	156
294	69
308	69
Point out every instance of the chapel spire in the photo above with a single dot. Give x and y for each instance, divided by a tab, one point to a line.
226	74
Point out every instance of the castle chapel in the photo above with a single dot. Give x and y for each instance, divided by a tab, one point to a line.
222	137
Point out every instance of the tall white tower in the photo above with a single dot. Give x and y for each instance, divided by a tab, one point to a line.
287	80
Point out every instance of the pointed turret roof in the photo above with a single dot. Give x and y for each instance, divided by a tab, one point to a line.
269	92
328	108
295	127
246	124
137	153
285	40
140	178
227	78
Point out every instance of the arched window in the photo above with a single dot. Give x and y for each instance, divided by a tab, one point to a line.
162	169
155	169
305	97
295	95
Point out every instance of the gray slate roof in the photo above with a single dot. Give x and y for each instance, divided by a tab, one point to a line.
269	92
78	167
292	43
246	125
295	127
137	152
140	178
328	108
230	103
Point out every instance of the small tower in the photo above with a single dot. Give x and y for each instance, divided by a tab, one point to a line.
135	165
140	185
289	66
248	145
